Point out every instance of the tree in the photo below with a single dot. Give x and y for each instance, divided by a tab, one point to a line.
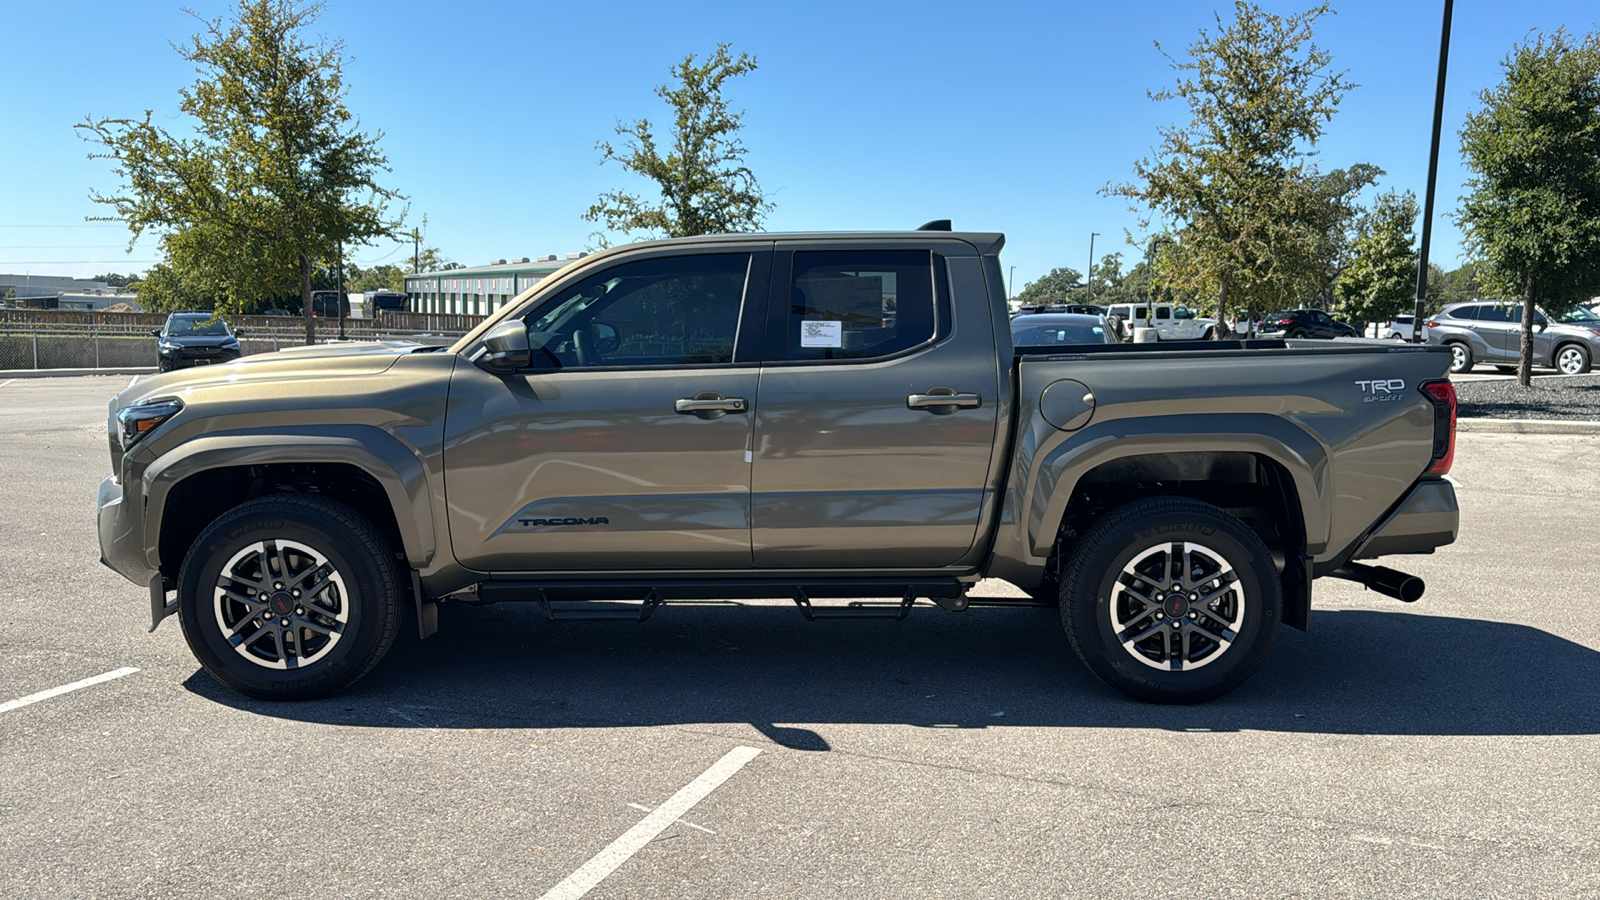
386	277
1380	281
112	279
1056	287
1533	207
1237	182
277	172
705	186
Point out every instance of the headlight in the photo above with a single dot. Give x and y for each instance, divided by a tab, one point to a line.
138	421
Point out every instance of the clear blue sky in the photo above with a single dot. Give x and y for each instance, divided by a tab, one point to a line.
1007	117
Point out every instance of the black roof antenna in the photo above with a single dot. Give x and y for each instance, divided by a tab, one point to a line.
936	225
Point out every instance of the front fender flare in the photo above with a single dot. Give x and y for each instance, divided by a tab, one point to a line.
375	451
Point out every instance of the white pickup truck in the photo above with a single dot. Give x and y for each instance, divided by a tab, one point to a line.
1171	322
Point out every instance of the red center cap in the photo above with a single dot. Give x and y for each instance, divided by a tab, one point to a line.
282	604
1176	606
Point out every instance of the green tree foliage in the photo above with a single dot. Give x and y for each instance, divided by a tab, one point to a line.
1533	205
705	186
386	277
1381	279
1456	286
1238	182
277	170
112	279
1058	286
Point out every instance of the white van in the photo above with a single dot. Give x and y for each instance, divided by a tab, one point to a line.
1171	322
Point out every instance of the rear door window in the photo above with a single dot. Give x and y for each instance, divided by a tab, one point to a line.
1493	314
1463	312
859	304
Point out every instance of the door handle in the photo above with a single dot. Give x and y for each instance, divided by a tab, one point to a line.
711	404
943	400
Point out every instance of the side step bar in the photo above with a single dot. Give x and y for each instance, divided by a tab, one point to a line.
603	601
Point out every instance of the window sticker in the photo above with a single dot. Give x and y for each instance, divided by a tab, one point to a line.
822	334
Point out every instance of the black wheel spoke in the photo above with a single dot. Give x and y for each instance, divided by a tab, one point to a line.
276	624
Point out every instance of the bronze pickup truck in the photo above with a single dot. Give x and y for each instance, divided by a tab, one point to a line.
840	419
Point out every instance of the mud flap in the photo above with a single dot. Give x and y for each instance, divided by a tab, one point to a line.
160	606
427	610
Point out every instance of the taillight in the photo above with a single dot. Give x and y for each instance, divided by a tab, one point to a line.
1285	321
1443	395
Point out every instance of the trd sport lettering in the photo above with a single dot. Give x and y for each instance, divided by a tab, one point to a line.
535	523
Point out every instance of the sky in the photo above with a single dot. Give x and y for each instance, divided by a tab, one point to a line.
862	115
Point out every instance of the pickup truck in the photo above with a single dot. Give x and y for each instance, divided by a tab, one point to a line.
837	419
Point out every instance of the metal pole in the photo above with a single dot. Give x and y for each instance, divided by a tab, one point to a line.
1011	284
35	335
1088	279
339	300
1433	177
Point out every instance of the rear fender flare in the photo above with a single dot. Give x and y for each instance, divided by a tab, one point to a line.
394	466
1062	467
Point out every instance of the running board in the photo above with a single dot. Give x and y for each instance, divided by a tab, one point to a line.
567	601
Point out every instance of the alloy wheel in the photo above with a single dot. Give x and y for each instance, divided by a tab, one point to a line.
281	604
1177	606
1570	361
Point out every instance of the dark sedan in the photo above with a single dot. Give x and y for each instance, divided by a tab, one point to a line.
1047	329
1304	323
195	339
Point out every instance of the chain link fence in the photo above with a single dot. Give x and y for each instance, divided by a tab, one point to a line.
52	339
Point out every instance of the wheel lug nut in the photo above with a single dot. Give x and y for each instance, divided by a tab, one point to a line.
299	610
263	598
1160	615
285	622
277	585
295	592
1193	615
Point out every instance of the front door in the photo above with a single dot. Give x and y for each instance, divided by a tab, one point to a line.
875	419
627	443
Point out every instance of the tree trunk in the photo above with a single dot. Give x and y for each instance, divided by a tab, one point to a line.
305	299
1221	331
1525	364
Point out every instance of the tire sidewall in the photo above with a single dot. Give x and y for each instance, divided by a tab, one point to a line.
1096	573
363	580
1465	357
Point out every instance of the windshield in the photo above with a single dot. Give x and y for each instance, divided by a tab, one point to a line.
1580	314
203	326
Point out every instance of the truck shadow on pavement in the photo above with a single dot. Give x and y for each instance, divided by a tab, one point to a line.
1358	672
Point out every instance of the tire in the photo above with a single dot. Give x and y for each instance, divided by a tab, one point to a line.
1298	334
1396	336
327	647
1130	544
163	366
1460	358
1572	359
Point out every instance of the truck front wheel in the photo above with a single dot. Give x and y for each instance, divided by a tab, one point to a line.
1170	600
289	597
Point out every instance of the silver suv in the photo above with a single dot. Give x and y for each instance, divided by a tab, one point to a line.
1490	332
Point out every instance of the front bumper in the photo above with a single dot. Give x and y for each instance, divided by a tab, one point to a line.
180	357
1426	518
121	530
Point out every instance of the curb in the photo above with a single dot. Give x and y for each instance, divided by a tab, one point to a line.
1527	426
68	373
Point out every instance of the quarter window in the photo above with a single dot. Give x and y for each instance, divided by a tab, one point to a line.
860	304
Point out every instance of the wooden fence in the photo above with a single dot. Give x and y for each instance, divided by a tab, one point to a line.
133	323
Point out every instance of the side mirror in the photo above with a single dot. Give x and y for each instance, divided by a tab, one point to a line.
606	339
155	332
1540	324
506	348
238	332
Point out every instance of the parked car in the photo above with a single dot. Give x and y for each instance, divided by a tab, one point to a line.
387	301
753	415
194	339
1304	323
1491	332
1400	329
1051	329
1171	322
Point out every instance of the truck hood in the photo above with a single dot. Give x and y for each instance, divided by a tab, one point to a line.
317	361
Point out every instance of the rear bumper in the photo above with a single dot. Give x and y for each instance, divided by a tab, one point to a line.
1426	518
121	532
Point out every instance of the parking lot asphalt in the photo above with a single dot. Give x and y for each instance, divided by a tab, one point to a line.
1447	748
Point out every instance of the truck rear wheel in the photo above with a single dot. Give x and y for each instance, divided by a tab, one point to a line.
289	597
1170	600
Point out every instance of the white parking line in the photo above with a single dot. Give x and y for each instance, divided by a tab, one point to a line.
6	382
634	839
9	705
135	380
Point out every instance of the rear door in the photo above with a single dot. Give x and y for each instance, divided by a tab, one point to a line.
1495	328
876	414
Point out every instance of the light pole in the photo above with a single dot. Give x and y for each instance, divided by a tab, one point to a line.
338	298
1088	280
1433	177
1011	284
